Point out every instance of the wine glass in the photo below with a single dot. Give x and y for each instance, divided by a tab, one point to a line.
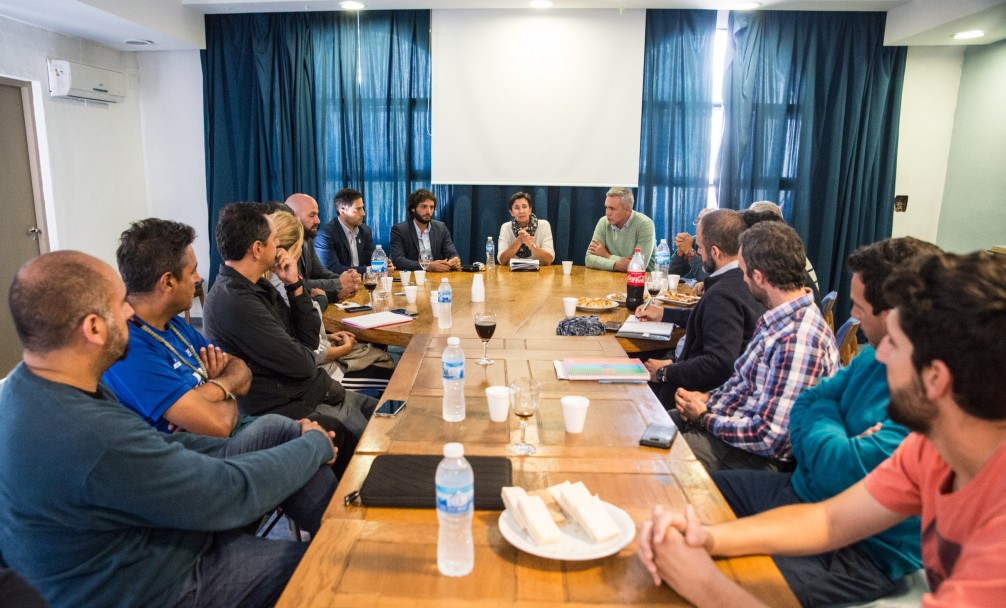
485	327
524	396
655	283
370	280
424	259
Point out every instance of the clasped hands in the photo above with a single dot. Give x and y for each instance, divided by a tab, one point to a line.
598	249
444	265
310	425
675	548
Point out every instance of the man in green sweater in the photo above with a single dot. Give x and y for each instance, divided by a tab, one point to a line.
100	509
840	431
619	232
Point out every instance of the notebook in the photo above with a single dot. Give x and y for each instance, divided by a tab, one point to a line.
613	369
649	330
377	319
523	264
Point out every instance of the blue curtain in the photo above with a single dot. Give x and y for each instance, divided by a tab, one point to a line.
677	113
315	102
811	102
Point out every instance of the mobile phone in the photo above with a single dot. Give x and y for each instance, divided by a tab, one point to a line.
613	326
358	308
658	435
403	311
390	408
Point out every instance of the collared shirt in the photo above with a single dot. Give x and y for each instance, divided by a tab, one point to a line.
351	238
424	239
791	349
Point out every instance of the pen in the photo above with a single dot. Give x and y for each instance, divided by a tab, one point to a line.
645	304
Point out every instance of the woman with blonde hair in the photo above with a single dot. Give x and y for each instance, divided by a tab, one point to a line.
359	367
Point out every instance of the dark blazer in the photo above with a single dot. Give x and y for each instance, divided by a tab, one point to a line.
717	332
332	247
317	276
405	244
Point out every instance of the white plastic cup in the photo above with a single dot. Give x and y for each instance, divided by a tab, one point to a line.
567	268
435	303
420	277
574	412
499	403
388	283
569	306
410	293
672	282
405	275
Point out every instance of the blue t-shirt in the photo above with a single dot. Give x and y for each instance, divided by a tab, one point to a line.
151	379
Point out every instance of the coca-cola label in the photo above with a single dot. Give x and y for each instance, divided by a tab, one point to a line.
636	278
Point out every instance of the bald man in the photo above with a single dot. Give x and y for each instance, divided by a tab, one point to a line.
101	509
337	287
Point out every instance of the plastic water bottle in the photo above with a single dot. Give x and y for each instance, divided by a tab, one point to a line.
490	254
662	257
635	283
453	365
379	262
455	506
444	297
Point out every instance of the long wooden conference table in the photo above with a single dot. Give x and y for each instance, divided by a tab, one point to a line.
366	556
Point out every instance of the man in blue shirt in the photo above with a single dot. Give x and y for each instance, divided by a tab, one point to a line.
840	431
100	509
172	377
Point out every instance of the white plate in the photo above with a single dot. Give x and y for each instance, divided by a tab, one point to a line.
575	544
598	308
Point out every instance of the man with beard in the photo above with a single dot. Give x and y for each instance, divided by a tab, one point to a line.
720	326
346	242
840	431
99	508
744	424
423	234
944	357
319	280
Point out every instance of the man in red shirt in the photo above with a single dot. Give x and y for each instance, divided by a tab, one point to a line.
945	360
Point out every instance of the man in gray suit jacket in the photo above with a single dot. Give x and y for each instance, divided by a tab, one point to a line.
317	278
423	233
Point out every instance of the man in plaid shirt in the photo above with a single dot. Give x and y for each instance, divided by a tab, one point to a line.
744	424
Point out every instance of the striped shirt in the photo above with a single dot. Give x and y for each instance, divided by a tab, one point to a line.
791	349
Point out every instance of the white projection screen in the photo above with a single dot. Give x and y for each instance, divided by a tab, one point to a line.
537	98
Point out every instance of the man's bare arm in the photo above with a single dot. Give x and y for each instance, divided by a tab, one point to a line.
207	409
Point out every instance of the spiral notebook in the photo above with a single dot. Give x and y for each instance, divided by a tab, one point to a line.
607	369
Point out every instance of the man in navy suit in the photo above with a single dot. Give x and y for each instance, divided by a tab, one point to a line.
423	233
346	242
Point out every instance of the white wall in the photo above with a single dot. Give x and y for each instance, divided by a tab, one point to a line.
95	152
171	104
928	103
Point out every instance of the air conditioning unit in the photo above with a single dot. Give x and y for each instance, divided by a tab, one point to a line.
69	79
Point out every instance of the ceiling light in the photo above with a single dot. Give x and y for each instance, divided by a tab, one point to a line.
351	5
541	3
969	35
139	42
745	6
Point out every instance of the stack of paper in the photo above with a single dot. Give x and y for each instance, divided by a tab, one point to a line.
377	319
523	264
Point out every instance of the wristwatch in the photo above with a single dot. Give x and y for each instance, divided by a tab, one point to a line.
699	421
661	374
292	287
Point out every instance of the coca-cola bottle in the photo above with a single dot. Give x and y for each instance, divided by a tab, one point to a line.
635	283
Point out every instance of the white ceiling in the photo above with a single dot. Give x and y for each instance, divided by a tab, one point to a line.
178	24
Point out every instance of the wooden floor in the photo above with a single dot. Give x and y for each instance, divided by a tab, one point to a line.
387	557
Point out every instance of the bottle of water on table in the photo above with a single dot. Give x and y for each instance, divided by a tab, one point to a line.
453	366
379	262
444	298
662	258
490	254
455	506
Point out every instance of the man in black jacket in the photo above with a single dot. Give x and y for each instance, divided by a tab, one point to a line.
718	329
246	316
318	278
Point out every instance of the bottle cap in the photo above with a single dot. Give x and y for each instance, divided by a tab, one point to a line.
454	450
637	251
443	280
453	341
